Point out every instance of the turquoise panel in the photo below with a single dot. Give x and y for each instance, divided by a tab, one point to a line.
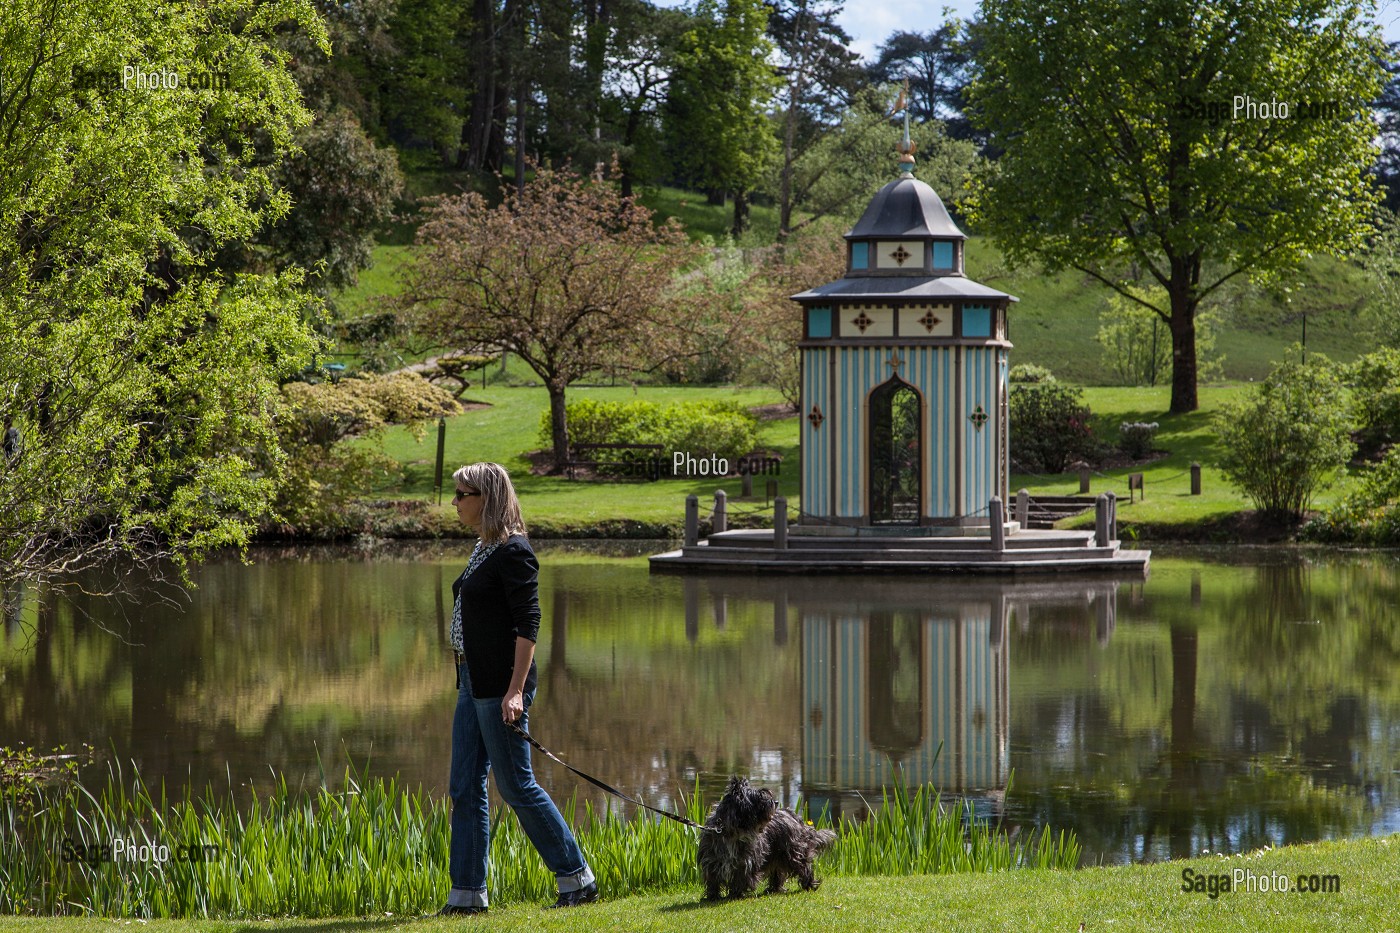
976	321
819	322
860	255
943	255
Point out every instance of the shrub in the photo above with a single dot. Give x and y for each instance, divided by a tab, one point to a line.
1049	427
722	429
1375	383
1135	438
1030	373
1282	444
325	469
1370	514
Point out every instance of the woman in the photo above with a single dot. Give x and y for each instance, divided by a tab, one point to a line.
495	621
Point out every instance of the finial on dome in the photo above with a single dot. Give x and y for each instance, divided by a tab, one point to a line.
905	147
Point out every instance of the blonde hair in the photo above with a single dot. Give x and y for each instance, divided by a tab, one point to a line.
500	509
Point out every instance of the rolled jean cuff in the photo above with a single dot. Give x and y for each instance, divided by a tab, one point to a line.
576	881
467	897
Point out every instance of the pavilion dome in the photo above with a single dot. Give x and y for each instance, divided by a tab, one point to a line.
906	207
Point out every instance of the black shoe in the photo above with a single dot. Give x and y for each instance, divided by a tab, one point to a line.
452	910
584	895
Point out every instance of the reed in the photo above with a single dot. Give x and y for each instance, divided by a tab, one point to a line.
377	848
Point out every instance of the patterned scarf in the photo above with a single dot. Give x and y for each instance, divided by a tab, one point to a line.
479	554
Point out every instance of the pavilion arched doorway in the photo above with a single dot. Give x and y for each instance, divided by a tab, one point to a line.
896	446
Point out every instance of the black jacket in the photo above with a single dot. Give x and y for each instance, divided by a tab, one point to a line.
500	602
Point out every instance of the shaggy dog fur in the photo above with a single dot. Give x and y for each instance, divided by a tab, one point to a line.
755	838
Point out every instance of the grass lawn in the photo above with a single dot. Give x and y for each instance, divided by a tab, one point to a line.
510	427
1166	497
1057	318
1134	897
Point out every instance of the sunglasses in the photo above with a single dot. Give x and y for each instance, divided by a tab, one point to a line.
459	495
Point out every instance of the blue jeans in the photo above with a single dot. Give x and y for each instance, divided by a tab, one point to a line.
481	740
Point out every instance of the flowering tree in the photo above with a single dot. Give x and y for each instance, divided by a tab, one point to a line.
565	273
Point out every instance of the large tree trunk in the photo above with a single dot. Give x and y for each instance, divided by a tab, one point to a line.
472	153
741	214
558	424
1183	348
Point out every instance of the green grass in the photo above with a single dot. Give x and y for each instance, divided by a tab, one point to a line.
378	281
702	219
1128	898
504	431
363	851
1166	499
1055	322
510	427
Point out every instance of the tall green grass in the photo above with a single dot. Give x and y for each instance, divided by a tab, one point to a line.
377	848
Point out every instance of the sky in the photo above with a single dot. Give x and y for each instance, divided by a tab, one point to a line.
870	22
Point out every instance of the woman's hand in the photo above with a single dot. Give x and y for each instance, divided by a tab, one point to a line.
512	706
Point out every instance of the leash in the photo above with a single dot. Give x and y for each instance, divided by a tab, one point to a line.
603	785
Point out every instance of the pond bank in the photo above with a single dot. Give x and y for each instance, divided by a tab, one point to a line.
417	519
1136	897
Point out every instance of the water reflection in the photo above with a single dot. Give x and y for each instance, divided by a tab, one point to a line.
908	684
1228	702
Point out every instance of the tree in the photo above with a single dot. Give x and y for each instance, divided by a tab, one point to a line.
1123	147
1283	443
639	67
819	76
1387	109
332	434
566	274
937	66
342	187
838	174
1137	346
814	255
721	86
140	383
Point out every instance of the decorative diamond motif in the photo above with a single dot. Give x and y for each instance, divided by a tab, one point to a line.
862	321
816	417
978	417
930	321
901	255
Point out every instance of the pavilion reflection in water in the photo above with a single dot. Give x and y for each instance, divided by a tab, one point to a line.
912	685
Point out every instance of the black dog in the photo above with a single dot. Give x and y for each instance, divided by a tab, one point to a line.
748	836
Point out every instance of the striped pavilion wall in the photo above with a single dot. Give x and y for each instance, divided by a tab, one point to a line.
963	466
964	705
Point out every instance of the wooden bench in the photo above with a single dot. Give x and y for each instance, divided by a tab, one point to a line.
579	458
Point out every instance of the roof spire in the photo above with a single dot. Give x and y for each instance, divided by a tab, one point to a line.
905	147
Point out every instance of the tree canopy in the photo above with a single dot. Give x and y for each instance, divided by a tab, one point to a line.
565	273
139	382
722	84
1131	150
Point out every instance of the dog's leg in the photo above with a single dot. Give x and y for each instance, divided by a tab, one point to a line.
807	878
776	879
712	889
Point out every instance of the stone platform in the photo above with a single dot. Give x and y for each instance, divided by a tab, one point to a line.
857	550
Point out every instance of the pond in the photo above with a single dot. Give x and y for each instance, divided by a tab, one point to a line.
1234	699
